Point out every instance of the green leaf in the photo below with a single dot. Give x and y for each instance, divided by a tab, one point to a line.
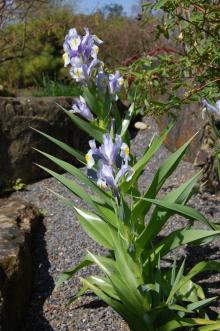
102	283
198	268
115	304
107	265
200	304
164	171
69	273
95	202
105	285
80	293
179	238
159	217
184	322
191	292
178	277
92	102
185	211
89	128
126	122
72	186
74	171
180	308
108	213
160	3
129	296
77	154
96	228
214	326
139	166
128	280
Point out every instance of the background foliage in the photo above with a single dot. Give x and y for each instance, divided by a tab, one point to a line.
31	45
187	68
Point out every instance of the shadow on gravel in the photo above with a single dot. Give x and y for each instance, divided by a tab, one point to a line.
43	285
195	254
209	280
95	303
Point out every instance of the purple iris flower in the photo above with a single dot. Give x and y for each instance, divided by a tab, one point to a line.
126	171
115	83
81	53
105	176
214	109
109	177
109	150
80	106
109	170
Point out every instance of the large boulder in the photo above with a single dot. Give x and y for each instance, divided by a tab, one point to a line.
18	220
188	122
17	139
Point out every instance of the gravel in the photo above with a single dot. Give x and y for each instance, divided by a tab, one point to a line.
61	243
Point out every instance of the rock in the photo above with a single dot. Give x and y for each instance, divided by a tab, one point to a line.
140	126
17	139
18	221
202	150
207	160
188	122
124	326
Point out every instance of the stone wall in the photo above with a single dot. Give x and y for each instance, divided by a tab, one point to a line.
17	139
18	221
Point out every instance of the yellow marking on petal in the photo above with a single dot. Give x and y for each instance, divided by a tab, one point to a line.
96	49
78	72
121	81
74	42
87	157
65	57
102	184
126	150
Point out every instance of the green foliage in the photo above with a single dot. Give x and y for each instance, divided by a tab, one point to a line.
18	185
49	87
186	69
35	48
12	186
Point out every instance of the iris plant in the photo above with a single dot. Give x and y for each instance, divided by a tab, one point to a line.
132	280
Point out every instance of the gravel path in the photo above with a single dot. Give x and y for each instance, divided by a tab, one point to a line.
61	244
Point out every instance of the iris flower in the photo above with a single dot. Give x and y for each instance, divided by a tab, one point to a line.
81	54
80	106
214	109
115	83
112	161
